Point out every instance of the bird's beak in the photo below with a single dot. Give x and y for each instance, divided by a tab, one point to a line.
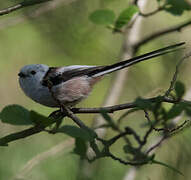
22	75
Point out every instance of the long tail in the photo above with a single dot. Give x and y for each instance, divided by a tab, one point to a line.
129	62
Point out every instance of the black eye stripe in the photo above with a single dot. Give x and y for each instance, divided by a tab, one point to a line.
33	72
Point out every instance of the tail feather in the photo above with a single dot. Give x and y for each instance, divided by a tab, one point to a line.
129	62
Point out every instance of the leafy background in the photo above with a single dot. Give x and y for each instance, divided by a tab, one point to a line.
65	35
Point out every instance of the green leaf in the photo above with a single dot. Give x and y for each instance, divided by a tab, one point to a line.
143	103
162	113
175	111
102	17
179	89
80	147
187	106
15	115
125	16
76	132
188	111
129	149
177	7
159	99
39	119
137	154
109	119
168	166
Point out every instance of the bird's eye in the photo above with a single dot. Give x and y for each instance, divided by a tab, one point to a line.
33	72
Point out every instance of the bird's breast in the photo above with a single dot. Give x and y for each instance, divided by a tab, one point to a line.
73	90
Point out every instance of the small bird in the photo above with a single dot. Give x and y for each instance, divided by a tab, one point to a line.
68	85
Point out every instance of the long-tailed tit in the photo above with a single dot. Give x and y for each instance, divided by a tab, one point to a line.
55	86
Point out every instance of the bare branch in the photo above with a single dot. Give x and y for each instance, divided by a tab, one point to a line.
110	109
155	35
157	144
172	83
149	130
12	21
20	6
126	162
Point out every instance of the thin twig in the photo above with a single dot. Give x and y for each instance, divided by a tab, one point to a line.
20	6
126	114
172	131
157	34
156	145
160	8
148	131
28	132
173	81
112	109
136	163
10	21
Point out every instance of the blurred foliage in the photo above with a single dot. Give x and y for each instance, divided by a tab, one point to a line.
177	7
107	17
104	17
15	115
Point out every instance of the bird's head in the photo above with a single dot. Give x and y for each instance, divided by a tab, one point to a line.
33	71
32	75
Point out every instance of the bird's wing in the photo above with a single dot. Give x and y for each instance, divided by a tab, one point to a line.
57	75
62	74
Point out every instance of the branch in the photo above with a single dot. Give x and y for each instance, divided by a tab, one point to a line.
131	174
112	109
109	109
19	135
21	5
155	35
70	114
174	78
160	8
12	21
